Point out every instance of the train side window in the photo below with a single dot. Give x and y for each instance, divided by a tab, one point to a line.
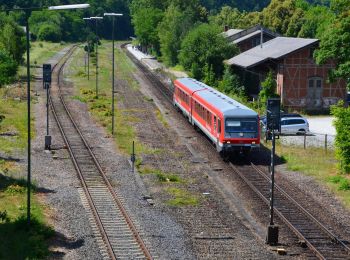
214	123
219	126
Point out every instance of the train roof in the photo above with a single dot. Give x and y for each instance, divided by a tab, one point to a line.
192	84
227	105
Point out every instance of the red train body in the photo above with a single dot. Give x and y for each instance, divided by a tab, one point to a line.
230	125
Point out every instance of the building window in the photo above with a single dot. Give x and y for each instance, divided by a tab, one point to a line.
315	82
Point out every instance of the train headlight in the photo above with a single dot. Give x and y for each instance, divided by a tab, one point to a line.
253	142
228	142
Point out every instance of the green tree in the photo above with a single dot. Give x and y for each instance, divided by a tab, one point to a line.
231	83
277	16
268	88
49	32
230	17
12	38
145	22
342	138
335	40
204	46
8	68
316	20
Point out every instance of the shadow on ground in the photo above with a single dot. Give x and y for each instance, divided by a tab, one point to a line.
37	241
6	182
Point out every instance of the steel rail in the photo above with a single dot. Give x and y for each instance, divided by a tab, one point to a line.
75	163
324	228
127	218
295	230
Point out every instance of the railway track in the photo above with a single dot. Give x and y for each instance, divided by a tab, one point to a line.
307	228
120	237
315	235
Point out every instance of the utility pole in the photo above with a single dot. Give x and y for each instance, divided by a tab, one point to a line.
113	15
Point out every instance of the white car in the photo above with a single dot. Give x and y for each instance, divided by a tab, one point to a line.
294	125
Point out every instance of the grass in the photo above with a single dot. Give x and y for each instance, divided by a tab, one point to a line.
40	52
15	121
17	241
161	118
101	107
321	166
181	197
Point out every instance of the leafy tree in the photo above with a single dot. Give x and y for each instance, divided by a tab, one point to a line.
204	46
277	16
231	84
8	68
209	75
173	28
342	138
49	32
12	39
145	22
268	89
335	40
315	22
229	16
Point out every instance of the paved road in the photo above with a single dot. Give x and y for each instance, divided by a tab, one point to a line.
321	124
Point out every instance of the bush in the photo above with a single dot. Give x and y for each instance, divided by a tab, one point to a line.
342	138
8	68
49	32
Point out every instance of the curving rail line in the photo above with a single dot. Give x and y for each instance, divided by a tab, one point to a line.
118	232
317	237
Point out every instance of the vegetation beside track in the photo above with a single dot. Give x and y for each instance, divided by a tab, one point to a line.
16	240
322	166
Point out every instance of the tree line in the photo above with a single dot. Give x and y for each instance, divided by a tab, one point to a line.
185	33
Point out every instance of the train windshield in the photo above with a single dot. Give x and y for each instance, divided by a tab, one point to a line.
234	125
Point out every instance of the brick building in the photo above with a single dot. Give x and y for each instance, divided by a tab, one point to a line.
301	83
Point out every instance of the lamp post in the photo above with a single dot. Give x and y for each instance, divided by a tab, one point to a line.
88	51
113	16
96	18
28	13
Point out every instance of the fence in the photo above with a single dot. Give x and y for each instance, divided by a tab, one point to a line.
324	141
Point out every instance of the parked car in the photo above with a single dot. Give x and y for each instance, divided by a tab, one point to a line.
283	114
290	124
294	125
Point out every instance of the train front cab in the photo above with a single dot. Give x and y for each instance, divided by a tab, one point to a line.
239	135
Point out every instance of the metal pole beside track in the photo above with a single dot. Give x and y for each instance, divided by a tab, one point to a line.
272	230
113	75
96	59
29	119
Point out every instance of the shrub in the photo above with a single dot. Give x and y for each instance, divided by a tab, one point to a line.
342	138
49	32
8	68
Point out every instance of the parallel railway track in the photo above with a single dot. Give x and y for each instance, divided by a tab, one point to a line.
307	228
119	234
316	236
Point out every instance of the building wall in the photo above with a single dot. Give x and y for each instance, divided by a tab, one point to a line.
294	74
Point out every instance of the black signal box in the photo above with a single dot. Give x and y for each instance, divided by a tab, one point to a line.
273	114
47	73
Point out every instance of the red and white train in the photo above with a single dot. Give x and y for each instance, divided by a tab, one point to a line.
230	125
